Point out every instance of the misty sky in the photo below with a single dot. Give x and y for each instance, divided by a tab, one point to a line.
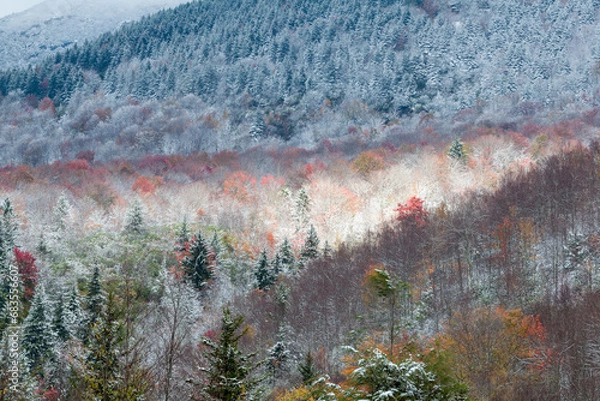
12	6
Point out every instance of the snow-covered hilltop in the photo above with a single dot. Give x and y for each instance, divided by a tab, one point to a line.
29	36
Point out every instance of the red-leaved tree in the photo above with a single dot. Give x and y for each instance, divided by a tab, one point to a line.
27	270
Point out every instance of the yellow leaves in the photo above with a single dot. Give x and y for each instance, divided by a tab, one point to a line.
367	162
489	347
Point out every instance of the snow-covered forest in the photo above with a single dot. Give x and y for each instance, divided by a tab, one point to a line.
306	201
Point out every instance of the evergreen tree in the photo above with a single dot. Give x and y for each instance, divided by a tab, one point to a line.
38	336
59	320
61	212
286	253
277	265
183	235
308	369
263	272
279	358
94	302
101	364
135	219
198	264
302	212
457	151
258	127
229	370
310	250
215	244
74	314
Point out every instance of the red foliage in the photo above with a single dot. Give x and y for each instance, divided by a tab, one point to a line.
27	270
157	164
146	185
412	212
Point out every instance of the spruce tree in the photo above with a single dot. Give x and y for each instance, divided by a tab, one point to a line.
74	314
279	358
310	250
101	364
61	212
38	336
457	151
288	259
308	370
277	268
263	272
198	265
94	302
302	208
229	370
59	320
215	244
183	235
135	219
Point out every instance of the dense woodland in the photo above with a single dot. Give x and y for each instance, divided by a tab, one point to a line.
474	277
319	201
212	76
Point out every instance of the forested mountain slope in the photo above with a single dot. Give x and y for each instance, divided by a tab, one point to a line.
28	37
272	70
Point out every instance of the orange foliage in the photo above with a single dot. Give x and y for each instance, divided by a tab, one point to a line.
272	181
146	185
239	185
496	349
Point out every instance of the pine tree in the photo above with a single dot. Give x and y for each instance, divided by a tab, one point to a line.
308	370
457	151
61	212
288	259
258	127
101	364
263	272
74	314
279	358
310	250
135	219
183	235
94	302
59	320
277	268
302	212
215	244
38	336
198	264
229	371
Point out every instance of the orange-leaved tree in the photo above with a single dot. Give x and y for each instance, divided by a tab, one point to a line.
495	350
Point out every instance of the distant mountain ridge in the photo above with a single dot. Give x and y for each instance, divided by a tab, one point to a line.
30	36
231	74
